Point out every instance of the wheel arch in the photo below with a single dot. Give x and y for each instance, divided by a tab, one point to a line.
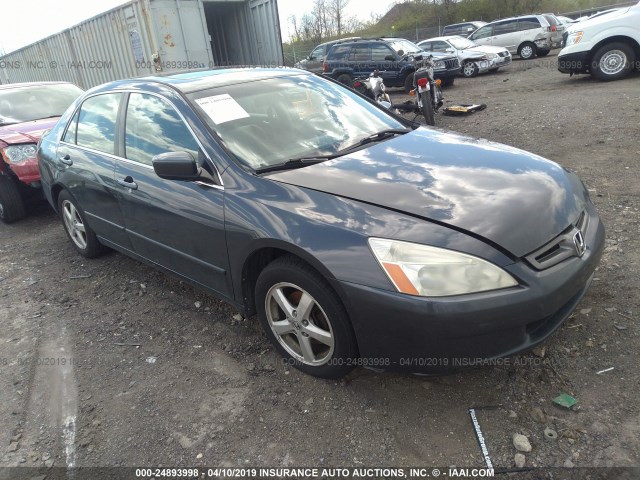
633	43
266	252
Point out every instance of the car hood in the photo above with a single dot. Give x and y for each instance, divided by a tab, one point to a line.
592	22
511	198
27	132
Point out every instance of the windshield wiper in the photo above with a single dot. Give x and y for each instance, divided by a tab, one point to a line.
295	163
377	137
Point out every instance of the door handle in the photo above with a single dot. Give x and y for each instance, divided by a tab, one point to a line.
128	182
66	160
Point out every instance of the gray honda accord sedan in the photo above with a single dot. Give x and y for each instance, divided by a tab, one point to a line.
356	236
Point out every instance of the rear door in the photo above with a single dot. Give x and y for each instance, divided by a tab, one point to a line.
87	153
178	225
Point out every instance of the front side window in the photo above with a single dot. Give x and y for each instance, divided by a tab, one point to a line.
97	122
267	122
317	54
154	127
440	46
380	52
483	32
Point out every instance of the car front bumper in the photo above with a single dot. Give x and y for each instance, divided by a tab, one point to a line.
398	332
572	63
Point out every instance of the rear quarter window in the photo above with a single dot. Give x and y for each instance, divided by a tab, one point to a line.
529	23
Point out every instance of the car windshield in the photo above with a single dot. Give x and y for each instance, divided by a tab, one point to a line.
405	45
270	121
461	43
27	103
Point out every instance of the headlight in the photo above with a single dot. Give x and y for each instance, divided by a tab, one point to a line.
574	38
492	56
19	153
439	64
428	271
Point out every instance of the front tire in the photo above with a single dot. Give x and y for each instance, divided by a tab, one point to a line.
304	319
613	62
527	51
12	206
82	237
470	70
427	109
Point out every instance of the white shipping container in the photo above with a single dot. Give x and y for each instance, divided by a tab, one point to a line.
144	37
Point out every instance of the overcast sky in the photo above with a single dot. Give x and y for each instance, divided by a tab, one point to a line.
27	21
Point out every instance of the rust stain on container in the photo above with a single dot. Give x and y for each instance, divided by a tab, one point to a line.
168	40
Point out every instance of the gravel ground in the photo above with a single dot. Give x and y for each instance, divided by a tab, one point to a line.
110	363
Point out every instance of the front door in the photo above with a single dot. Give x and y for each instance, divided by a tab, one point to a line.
176	224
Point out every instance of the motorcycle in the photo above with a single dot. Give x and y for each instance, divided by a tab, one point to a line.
426	88
373	87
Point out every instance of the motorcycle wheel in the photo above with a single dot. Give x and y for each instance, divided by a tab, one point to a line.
427	108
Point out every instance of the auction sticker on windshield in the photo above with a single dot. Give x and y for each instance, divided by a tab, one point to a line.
222	108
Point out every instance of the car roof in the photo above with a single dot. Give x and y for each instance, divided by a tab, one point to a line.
444	38
9	86
518	17
472	22
193	81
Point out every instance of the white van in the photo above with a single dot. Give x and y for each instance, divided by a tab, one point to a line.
606	46
527	36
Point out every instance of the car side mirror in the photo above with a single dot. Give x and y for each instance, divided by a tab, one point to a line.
311	57
176	166
390	58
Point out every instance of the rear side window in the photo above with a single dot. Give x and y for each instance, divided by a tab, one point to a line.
502	28
340	52
70	135
529	23
360	53
153	127
97	122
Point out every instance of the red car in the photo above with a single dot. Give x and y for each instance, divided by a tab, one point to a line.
27	110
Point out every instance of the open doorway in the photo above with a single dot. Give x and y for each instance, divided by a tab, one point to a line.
228	27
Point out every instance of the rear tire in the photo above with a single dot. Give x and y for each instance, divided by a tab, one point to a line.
427	109
613	62
527	50
12	206
305	319
345	79
82	237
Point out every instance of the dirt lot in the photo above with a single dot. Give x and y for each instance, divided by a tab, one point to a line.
109	363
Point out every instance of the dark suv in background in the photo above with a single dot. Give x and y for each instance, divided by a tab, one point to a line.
392	57
314	61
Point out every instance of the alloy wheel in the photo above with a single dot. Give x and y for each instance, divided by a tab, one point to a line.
74	224
299	324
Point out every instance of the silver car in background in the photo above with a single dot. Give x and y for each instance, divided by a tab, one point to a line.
473	58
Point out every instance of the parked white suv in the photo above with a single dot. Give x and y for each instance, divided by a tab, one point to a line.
527	36
606	46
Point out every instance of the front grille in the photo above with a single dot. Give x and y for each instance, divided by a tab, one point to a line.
562	247
452	63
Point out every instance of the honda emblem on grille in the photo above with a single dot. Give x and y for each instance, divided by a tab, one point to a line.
578	241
